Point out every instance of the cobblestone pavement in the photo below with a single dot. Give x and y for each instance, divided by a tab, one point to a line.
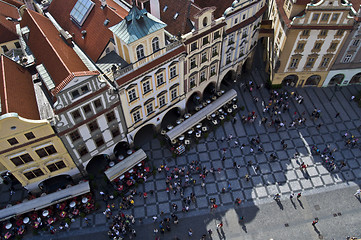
280	176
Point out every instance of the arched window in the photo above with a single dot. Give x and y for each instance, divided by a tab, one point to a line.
140	52
155	44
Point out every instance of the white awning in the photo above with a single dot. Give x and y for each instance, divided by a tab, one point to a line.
125	165
201	114
44	201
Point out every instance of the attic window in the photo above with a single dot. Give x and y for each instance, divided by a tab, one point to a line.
106	22
176	15
81	10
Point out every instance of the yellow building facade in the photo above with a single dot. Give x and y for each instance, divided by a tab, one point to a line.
32	151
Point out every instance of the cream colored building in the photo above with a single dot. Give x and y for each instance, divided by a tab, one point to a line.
307	39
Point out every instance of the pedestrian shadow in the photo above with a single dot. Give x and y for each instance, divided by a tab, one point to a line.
301	204
280	205
244	228
221	234
293	204
316	230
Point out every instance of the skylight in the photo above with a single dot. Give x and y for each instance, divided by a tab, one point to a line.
81	10
176	15
165	8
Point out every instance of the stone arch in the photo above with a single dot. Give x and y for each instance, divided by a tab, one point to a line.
228	80
210	90
193	101
144	135
121	148
97	163
356	78
314	80
54	183
290	80
171	117
337	79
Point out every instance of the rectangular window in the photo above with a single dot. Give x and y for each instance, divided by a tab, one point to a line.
22	159
173	94
323	32
17	45
29	135
146	87
335	17
13	141
132	95
325	17
306	32
93	126
213	70
216	35
204	57
294	63
78	92
98	103
315	17
161	101
310	62
149	108
333	46
347	58
340	32
46	151
235	20
74	135
205	40
56	166
192	81
82	151
5	48
193	46
87	109
84	89
300	46
160	79
34	174
115	132
214	51
317	46
110	116
76	115
136	116
193	62
231	39
355	42
203	76
173	71
325	62
228	57
99	141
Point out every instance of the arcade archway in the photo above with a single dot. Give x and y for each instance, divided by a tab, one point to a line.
209	91
356	78
228	80
144	135
290	80
337	79
97	164
193	101
171	117
314	80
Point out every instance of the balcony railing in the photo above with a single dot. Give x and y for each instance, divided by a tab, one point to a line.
120	72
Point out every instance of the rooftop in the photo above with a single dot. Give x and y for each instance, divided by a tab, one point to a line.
7	27
220	5
49	49
96	24
138	24
16	90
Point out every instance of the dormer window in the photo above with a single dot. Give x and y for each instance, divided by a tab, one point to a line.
176	15
155	44
165	8
140	52
80	91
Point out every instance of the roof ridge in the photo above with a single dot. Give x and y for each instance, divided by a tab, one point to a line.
4	82
43	33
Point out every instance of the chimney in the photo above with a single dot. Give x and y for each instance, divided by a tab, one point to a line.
155	8
103	4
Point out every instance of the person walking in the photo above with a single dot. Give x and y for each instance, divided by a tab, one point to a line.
337	114
298	195
190	232
357	193
314	222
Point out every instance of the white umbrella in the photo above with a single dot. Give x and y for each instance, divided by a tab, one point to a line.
84	200
72	204
26	220
8	226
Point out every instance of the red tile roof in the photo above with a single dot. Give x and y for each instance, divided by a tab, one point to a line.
16	90
50	49
7	28
16	3
185	9
97	35
221	5
356	4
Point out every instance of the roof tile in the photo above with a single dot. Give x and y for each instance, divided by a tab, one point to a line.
7	28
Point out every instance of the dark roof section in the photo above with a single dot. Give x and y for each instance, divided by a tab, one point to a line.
16	3
60	60
17	93
7	27
97	34
221	5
